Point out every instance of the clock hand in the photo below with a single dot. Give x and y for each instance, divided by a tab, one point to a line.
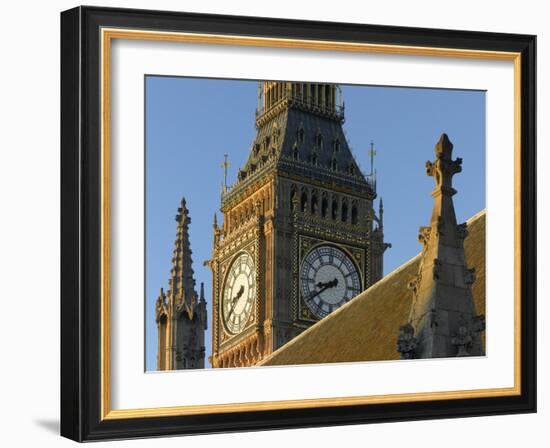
234	301
239	293
324	287
331	284
315	294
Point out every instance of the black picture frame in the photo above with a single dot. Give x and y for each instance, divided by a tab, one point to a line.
81	224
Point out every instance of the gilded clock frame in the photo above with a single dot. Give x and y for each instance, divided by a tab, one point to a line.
305	244
230	338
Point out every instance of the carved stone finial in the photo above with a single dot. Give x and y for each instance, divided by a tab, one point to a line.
444	167
160	305
462	230
183	213
406	342
424	235
413	284
462	341
442	319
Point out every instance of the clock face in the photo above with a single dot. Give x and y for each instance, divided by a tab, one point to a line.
328	279
238	293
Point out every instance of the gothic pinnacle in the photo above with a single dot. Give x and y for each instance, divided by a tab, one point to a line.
202	299
442	321
181	280
183	213
181	333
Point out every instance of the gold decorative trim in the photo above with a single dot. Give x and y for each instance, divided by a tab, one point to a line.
307	403
107	35
105	224
116	33
517	220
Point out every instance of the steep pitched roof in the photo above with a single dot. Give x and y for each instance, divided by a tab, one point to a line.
367	327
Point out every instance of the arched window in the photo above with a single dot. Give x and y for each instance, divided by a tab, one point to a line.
334	209
334	164
324	207
314	159
336	145
303	206
314	204
300	135
344	211
295	152
354	214
319	141
293	200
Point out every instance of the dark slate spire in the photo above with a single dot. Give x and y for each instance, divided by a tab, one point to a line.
300	132
442	320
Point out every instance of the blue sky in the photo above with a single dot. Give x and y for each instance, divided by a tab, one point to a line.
191	123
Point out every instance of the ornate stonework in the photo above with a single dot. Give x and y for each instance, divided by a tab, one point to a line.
299	187
180	313
442	320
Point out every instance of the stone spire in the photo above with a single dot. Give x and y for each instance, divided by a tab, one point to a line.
181	317
442	320
182	282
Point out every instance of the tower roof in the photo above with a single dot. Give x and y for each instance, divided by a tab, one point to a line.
300	134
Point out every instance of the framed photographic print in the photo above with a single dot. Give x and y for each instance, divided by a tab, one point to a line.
273	224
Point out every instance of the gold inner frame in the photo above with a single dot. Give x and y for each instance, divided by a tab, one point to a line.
107	35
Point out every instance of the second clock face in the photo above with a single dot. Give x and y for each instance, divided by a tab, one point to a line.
239	293
328	279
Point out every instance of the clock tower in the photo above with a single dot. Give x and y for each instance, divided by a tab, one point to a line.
299	236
